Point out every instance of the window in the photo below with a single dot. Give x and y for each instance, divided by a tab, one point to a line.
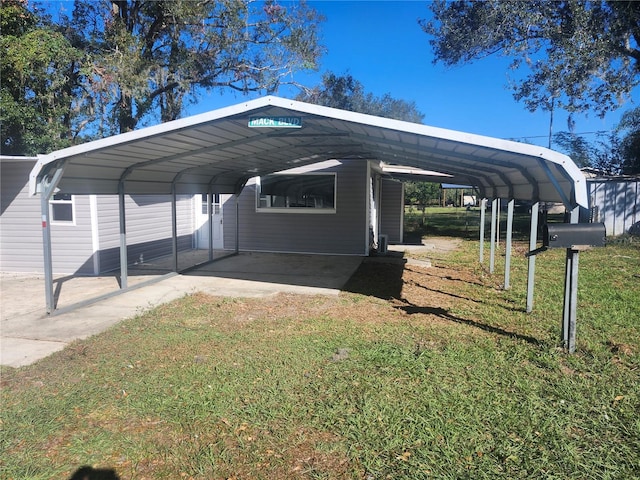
62	208
299	193
216	203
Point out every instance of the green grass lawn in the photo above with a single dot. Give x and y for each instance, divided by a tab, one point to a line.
447	378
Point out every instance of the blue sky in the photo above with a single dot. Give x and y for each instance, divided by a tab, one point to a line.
381	44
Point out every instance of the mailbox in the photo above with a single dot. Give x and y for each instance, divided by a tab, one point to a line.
573	235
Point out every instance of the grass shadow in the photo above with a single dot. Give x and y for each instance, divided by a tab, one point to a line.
443	313
377	278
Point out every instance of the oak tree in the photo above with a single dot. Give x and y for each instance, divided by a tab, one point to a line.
573	54
38	82
149	58
347	93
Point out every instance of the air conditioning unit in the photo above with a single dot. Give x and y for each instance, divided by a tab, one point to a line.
383	243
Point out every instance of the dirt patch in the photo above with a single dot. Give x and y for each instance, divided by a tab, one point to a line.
443	244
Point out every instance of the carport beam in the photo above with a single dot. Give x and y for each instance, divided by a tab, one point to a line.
531	270
507	258
123	237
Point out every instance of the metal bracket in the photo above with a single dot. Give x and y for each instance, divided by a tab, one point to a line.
536	251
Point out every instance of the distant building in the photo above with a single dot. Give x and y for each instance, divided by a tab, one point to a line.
613	200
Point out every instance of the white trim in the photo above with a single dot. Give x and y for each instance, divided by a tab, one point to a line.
294	210
294	252
17	158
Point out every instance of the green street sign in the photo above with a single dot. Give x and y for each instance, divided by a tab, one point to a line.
275	122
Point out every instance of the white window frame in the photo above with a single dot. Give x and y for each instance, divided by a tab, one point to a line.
216	203
53	201
299	210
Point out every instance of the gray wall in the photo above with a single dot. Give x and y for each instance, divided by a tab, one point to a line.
149	233
391	210
21	228
615	202
148	228
344	232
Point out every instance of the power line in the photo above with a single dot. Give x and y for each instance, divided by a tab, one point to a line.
547	136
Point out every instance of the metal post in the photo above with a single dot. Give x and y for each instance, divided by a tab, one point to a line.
507	258
46	248
210	221
531	268
570	293
492	243
48	185
174	227
498	222
483	208
237	224
123	237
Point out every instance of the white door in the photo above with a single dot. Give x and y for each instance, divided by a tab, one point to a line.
202	227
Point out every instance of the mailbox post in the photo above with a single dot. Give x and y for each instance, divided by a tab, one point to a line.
574	237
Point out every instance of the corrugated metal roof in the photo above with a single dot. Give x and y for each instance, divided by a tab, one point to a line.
220	149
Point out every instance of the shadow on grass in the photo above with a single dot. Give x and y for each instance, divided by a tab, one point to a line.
435	290
443	313
377	279
90	473
384	279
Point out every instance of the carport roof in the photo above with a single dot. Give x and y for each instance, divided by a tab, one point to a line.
221	149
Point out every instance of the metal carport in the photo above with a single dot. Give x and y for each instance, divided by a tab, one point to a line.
218	151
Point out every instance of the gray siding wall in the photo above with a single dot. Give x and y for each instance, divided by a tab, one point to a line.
616	202
391	207
344	232
148	227
21	228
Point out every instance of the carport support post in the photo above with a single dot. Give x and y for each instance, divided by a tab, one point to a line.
237	224
174	227
123	237
531	270
570	293
47	188
492	243
46	250
210	221
483	210
498	222
507	258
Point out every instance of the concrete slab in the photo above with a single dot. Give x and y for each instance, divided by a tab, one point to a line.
27	334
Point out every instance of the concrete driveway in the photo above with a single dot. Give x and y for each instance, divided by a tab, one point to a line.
27	334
